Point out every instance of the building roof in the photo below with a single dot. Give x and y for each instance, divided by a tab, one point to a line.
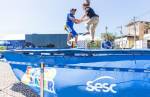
131	23
128	35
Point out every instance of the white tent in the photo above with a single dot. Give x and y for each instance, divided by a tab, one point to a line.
10	36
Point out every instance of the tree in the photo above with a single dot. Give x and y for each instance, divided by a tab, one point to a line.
108	36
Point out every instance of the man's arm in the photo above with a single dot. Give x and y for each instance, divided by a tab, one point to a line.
77	21
72	18
85	13
84	18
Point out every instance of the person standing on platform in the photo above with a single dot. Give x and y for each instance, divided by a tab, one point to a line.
69	27
91	19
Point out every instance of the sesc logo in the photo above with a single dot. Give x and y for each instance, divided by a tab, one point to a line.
97	86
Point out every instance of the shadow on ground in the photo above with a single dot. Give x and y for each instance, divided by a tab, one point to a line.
24	90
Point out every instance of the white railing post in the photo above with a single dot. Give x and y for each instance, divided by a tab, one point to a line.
42	80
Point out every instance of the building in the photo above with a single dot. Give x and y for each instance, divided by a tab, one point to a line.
147	38
46	40
137	36
124	42
137	28
145	42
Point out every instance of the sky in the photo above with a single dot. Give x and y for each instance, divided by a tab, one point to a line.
49	16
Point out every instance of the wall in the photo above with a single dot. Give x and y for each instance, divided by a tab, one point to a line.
43	40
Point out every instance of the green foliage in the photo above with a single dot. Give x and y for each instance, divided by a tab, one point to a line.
94	45
108	36
3	48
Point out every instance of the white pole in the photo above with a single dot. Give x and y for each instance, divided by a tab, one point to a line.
134	21
121	35
42	80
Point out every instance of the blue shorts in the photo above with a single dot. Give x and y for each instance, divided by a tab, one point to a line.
71	30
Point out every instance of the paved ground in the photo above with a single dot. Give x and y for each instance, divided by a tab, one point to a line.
10	86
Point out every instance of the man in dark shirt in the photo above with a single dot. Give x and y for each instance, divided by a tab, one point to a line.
92	20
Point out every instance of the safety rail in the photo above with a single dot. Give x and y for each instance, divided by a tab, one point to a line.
80	52
83	67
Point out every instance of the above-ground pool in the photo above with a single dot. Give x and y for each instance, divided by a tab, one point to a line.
83	72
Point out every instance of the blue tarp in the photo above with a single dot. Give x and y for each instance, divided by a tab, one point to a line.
84	73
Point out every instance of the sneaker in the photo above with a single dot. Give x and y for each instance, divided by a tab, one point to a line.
92	41
69	43
86	33
76	46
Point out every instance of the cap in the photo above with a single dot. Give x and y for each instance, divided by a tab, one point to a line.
73	9
86	4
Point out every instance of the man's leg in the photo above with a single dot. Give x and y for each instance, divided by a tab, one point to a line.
93	27
68	39
69	30
88	25
76	39
75	35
